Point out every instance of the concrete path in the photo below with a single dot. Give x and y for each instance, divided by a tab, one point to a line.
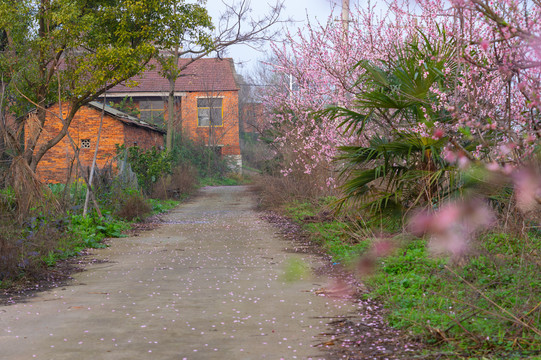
208	284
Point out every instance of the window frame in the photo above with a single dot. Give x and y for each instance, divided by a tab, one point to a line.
210	108
155	113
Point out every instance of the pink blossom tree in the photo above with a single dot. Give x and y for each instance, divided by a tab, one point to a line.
492	102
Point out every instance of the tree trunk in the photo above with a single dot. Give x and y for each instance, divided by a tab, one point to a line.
171	115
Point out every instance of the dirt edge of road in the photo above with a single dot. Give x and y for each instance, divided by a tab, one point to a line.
59	275
362	335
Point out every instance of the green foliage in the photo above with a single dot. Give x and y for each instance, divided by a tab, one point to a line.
220	181
440	301
73	195
426	298
127	106
298	211
83	233
395	174
295	270
344	252
8	202
208	162
149	165
95	227
404	168
101	44
162	206
331	233
121	36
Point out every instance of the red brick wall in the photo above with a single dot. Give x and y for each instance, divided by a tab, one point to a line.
143	138
226	135
55	164
176	120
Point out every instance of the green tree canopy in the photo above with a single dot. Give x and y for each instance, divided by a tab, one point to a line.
74	50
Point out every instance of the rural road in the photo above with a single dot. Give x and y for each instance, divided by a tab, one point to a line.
207	284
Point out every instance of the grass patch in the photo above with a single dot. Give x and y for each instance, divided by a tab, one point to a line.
328	231
162	206
298	211
229	180
486	305
430	297
301	211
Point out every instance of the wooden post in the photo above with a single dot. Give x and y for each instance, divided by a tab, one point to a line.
93	167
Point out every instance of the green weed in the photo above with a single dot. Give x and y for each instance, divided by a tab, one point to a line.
295	270
470	307
222	181
84	233
298	211
425	296
162	206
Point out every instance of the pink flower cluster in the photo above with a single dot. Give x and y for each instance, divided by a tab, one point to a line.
453	226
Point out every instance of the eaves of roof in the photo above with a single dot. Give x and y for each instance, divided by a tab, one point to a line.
125	118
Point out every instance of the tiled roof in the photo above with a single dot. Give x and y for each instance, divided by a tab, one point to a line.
122	116
207	74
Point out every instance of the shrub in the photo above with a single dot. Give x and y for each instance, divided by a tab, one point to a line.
149	165
255	152
274	191
132	206
22	247
181	182
207	161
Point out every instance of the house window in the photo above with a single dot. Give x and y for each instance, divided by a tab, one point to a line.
152	110
85	143
209	111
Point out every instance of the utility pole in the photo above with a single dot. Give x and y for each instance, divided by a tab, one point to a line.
345	17
290	86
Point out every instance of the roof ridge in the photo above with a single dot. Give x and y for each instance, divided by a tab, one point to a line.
205	74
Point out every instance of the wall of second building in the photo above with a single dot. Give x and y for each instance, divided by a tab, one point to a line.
146	139
55	165
251	118
225	136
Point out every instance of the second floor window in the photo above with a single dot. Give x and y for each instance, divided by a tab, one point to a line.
209	112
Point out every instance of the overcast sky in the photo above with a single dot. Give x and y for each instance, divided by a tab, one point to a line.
245	57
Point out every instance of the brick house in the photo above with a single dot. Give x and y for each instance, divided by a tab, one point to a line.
118	128
206	103
252	118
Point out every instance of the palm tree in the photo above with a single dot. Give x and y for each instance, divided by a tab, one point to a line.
404	167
